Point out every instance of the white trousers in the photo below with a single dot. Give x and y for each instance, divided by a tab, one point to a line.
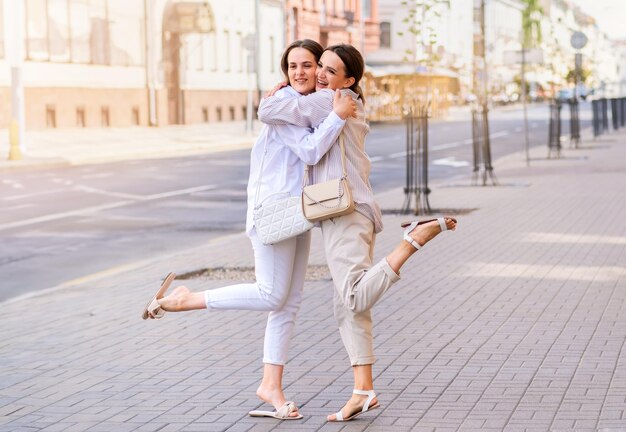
280	271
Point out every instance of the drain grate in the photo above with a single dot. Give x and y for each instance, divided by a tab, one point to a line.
313	273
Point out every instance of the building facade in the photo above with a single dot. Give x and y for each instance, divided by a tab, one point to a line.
101	63
334	21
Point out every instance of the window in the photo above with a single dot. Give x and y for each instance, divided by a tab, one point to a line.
1	30
80	116
80	26
272	62
218	113
104	117
226	45
212	51
126	27
385	35
232	112
205	114
59	30
51	116
99	37
136	116
367	8
37	30
192	51
242	53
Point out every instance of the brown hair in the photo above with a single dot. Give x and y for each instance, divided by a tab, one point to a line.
353	64
308	44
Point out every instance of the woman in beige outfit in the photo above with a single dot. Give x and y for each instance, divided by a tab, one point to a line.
349	240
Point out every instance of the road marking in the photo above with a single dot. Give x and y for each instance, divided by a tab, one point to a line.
17	207
180	192
451	161
498	134
88	210
397	155
108	193
97	175
447	146
18	197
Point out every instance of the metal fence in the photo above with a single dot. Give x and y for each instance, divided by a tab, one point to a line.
416	188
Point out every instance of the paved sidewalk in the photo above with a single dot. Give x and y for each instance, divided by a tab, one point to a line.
516	321
96	145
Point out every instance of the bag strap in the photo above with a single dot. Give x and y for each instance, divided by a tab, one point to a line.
258	183
343	163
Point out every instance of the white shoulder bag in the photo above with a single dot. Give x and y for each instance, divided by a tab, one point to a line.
277	219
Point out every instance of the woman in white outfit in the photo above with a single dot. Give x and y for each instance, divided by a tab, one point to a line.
349	240
281	151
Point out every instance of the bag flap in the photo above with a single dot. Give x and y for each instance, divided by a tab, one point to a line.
323	192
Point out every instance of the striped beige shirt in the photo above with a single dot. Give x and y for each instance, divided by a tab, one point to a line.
309	111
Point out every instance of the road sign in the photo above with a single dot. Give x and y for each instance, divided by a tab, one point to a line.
578	40
532	56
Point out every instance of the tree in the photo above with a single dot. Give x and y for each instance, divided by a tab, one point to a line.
419	24
531	24
531	37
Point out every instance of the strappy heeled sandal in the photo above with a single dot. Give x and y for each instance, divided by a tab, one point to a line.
366	406
410	226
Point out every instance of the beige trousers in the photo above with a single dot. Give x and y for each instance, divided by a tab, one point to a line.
349	246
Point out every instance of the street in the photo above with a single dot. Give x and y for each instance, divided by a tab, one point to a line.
60	224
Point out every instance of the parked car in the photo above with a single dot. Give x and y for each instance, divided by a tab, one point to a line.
564	95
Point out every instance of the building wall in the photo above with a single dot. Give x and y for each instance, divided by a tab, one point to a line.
334	21
210	106
59	78
59	107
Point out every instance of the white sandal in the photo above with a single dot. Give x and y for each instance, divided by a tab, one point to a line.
410	226
366	406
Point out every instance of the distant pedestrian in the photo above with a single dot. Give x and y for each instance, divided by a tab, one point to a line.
349	239
281	151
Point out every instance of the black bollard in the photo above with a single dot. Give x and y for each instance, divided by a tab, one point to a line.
554	130
596	121
574	122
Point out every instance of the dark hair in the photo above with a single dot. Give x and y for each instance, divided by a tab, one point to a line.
308	44
353	64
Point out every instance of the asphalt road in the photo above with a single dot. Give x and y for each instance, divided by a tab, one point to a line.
60	224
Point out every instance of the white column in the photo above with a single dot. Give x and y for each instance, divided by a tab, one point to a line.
14	49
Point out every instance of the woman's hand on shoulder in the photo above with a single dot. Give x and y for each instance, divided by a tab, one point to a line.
277	87
343	105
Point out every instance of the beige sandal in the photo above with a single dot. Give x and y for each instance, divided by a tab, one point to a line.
153	308
283	413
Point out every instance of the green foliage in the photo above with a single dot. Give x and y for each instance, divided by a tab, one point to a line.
584	75
419	13
531	23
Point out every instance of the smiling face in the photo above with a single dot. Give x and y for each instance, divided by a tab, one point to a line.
301	67
331	73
